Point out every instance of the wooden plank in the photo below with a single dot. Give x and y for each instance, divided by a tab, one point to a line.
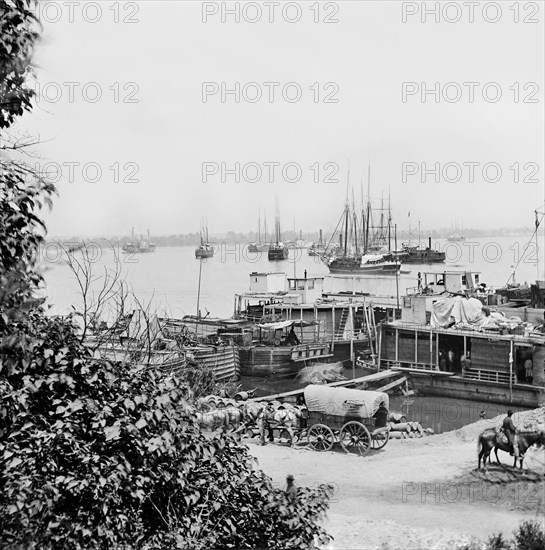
382	375
422	371
310	358
376	376
391	385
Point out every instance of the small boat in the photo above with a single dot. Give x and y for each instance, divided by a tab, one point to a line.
278	250
455	237
255	248
205	249
259	246
318	248
138	246
412	254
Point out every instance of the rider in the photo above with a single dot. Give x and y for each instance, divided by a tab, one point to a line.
511	432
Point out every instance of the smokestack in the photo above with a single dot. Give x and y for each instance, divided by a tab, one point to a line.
429	242
341	240
320	235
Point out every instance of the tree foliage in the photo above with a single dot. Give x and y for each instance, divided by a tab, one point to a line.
103	455
18	34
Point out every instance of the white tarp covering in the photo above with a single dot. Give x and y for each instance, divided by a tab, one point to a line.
342	401
466	311
371	258
468	314
321	373
276	326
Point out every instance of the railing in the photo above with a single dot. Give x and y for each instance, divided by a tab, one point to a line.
358	334
489	376
386	364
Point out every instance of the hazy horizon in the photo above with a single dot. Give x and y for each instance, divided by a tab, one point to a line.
153	131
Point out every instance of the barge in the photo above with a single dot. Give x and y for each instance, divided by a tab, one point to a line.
454	347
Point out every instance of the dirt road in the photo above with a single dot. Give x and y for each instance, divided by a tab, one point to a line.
413	494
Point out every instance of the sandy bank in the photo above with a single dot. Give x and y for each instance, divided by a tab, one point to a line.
414	493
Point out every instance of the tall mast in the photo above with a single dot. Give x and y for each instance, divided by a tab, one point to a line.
368	217
347	212
355	220
259	226
362	239
277	219
390	223
397	271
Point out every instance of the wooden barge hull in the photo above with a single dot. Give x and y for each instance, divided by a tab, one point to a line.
224	361
267	361
494	373
456	387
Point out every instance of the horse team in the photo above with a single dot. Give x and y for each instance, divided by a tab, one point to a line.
215	412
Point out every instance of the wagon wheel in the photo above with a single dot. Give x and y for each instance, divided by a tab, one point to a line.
321	437
380	440
285	437
355	438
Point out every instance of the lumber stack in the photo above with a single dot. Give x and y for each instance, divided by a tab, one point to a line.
401	429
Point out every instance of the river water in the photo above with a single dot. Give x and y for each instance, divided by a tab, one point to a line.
168	279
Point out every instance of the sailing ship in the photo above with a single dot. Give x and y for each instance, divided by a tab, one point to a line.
138	246
278	250
259	246
205	249
372	254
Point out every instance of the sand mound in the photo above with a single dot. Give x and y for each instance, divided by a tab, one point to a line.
524	420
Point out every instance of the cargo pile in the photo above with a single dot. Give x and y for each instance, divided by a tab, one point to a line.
401	429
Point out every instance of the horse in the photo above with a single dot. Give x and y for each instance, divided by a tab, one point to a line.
492	439
235	417
252	411
213	420
289	417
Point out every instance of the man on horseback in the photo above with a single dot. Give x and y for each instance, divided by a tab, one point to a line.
510	431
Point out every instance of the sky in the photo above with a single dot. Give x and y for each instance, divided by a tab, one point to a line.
146	135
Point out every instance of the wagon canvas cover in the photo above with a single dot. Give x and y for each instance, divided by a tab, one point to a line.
344	401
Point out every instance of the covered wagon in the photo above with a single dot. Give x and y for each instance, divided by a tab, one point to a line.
354	418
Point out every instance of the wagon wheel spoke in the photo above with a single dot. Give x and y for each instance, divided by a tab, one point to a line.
321	437
355	438
380	440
